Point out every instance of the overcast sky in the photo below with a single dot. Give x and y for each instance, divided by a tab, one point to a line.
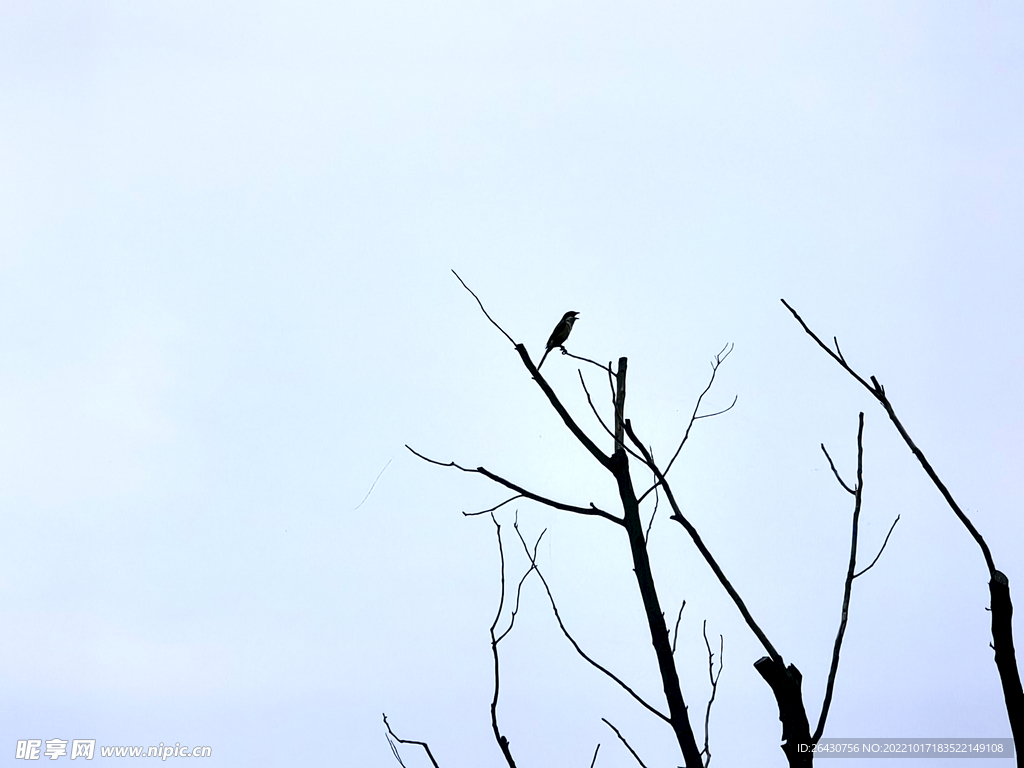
226	236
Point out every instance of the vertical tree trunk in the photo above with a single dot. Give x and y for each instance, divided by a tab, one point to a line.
645	581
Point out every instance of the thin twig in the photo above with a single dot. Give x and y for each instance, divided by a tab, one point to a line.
502	741
597	415
714	686
567	353
880	551
482	308
675	632
848	587
591	510
495	508
715	365
594	761
407	741
374	485
836	471
626	743
572	640
719	359
657	499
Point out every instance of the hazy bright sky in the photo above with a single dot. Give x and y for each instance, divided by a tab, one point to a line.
226	236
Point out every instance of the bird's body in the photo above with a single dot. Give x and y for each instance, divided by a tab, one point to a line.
559	335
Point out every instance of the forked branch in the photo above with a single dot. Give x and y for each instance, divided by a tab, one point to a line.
394	750
878	392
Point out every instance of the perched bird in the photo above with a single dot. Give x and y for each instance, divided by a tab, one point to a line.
560	334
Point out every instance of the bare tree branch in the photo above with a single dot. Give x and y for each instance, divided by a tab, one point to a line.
495	508
880	551
657	499
714	686
372	486
604	459
878	391
572	640
522	492
675	632
625	743
567	353
702	548
392	735
848	587
836	471
593	762
715	364
498	736
593	408
482	308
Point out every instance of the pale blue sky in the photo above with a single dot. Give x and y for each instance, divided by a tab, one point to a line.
226	235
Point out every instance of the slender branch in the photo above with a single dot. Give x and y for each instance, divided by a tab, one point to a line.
407	741
593	408
580	435
675	632
593	762
836	471
567	353
880	551
714	686
495	508
878	391
502	741
848	587
715	364
569	637
482	308
374	485
625	743
657	499
719	359
591	510
702	548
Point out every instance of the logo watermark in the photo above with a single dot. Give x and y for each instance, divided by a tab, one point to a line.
54	749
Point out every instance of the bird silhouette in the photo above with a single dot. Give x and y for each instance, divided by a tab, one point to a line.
559	335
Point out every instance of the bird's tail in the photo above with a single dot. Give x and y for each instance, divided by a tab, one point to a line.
543	358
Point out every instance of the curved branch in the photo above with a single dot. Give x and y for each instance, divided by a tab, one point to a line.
880	551
406	741
625	743
719	359
554	608
482	307
591	510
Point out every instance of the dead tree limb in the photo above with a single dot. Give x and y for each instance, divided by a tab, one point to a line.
625	743
999	584
503	744
784	681
391	735
714	687
568	636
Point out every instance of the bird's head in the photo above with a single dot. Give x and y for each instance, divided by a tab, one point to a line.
570	318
